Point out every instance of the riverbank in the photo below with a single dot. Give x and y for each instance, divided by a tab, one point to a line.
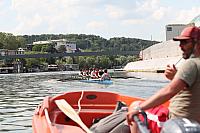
41	68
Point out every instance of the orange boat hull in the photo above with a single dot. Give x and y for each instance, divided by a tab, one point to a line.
48	118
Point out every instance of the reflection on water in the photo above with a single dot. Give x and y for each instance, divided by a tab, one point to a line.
21	93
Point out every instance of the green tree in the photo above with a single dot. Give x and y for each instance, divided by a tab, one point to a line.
69	60
44	48
90	61
30	62
105	62
11	42
51	49
37	48
20	41
61	48
51	60
1	45
82	62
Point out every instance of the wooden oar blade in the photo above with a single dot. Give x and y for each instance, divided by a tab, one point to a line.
71	113
65	105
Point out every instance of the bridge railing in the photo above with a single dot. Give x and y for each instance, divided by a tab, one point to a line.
109	53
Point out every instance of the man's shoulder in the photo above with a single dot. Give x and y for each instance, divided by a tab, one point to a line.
191	61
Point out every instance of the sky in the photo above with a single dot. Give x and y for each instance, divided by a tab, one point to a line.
143	19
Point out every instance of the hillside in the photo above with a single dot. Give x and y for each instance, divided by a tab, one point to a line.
95	43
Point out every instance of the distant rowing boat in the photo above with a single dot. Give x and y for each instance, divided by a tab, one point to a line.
98	81
125	77
78	77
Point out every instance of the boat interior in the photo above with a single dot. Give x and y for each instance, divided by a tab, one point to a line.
91	106
87	107
88	116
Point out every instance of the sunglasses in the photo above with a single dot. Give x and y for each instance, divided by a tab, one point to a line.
184	42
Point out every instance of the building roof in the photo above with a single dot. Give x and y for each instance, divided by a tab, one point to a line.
50	41
42	42
176	25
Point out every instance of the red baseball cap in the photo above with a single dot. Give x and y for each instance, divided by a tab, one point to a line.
191	32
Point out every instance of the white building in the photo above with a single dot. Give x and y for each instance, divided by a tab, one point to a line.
156	57
70	46
161	50
21	51
5	52
173	30
41	42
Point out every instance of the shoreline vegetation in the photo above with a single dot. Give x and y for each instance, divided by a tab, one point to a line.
84	43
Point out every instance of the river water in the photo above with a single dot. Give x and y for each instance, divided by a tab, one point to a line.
21	93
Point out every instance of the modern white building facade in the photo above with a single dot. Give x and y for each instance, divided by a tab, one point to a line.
173	30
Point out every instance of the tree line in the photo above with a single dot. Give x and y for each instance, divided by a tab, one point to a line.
95	43
86	43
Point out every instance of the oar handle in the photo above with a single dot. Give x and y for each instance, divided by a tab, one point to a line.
142	125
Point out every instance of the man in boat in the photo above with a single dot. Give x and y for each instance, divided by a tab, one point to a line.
93	74
184	88
100	72
80	72
105	75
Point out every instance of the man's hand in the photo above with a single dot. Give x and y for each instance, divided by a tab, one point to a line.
170	72
129	116
132	111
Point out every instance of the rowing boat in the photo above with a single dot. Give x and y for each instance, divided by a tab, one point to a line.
98	81
49	116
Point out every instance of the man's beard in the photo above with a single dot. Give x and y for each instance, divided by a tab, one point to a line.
188	54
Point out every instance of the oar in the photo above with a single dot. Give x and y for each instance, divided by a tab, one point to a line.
178	61
125	77
71	113
142	125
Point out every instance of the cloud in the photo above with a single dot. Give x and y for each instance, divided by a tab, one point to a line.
32	14
96	25
56	16
86	16
146	13
147	5
133	21
3	10
28	23
160	13
1	3
152	9
114	12
185	16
